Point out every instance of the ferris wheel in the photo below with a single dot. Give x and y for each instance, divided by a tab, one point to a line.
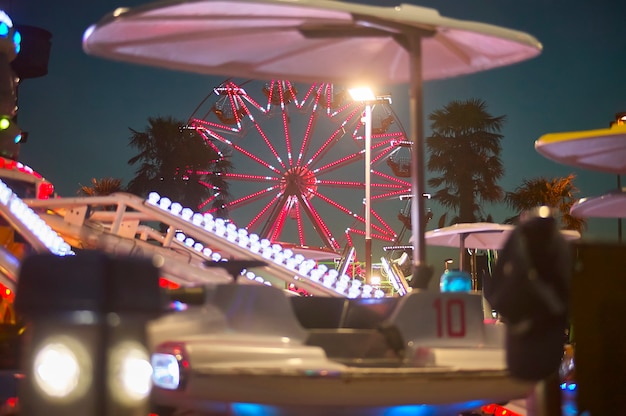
298	162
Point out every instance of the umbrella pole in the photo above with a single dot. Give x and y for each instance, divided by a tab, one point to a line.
462	238
422	272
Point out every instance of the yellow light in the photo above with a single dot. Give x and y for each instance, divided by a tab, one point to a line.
4	123
62	369
362	94
130	372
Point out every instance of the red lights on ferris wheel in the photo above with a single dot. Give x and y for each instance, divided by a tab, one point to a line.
297	152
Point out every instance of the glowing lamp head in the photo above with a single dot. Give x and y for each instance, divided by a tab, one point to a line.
169	366
362	94
62	369
130	373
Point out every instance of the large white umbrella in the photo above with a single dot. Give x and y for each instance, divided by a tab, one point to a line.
312	41
602	150
478	235
611	205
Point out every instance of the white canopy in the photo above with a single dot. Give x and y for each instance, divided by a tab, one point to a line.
611	205
303	40
602	150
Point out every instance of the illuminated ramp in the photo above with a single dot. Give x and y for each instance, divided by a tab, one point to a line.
122	223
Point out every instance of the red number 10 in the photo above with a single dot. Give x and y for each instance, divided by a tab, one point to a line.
453	307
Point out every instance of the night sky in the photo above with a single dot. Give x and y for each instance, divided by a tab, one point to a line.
78	115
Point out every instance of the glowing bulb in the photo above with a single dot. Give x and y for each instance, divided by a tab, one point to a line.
62	368
131	373
153	198
176	208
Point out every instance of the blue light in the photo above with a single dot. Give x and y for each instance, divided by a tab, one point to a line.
253	409
568	386
455	281
179	306
17	41
4	29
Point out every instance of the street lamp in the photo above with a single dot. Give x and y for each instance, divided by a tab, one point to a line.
446	262
367	97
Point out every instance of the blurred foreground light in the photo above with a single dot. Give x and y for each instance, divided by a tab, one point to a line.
166	371
62	368
455	281
362	94
130	372
86	351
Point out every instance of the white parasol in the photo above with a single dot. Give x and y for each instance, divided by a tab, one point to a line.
611	205
602	150
479	236
311	41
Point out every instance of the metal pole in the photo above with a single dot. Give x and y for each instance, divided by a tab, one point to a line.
422	272
619	220
368	199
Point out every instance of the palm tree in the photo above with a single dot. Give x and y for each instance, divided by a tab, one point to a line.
557	193
176	162
465	153
101	187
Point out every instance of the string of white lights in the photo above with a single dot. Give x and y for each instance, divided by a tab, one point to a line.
319	275
32	223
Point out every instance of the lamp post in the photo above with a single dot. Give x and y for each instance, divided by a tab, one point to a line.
367	97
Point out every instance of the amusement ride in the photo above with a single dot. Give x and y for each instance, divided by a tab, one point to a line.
298	155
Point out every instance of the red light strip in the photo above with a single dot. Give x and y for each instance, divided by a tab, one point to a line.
321	224
300	224
207	201
312	88
376	236
248	177
263	211
392	178
250	100
335	204
286	121
269	145
269	95
253	196
351	243
390	194
346	160
200	125
384	224
324	148
278	224
345	184
256	159
234	108
307	134
347	211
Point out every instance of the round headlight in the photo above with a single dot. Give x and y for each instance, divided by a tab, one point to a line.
62	368
130	372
